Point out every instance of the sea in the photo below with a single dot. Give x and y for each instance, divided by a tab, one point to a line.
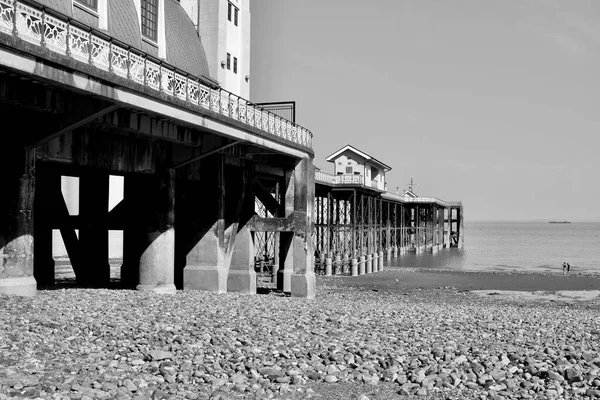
539	247
489	246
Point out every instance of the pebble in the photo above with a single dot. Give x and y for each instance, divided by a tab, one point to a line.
101	344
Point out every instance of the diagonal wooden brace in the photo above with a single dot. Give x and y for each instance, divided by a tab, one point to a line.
74	123
266	198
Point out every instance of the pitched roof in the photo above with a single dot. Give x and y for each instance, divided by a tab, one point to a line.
184	47
364	155
123	22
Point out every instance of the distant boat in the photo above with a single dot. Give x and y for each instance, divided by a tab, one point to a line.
560	222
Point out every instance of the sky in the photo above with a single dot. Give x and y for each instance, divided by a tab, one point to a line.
492	103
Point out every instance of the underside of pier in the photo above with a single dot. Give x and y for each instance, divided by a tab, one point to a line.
191	180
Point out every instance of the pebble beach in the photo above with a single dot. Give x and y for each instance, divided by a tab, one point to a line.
408	336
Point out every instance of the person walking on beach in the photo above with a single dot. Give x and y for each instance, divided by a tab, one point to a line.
564	268
568	268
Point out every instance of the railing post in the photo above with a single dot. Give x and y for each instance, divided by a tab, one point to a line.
110	56
128	63
90	47
68	40
43	30
145	73
187	89
160	85
15	31
229	108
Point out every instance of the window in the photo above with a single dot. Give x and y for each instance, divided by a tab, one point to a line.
93	4
228	61
232	11
149	18
235	65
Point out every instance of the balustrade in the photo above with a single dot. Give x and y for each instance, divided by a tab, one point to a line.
59	35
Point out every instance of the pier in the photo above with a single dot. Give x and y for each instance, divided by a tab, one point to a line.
85	100
359	224
214	187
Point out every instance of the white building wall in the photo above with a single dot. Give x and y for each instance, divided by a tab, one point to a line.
233	46
220	36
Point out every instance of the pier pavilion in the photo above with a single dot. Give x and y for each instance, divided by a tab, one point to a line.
94	88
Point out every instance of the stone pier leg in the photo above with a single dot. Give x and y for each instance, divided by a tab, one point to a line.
301	252
240	208
17	181
204	238
150	246
93	231
362	265
242	277
286	257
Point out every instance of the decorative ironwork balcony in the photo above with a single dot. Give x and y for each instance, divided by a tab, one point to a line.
325	177
348	179
60	35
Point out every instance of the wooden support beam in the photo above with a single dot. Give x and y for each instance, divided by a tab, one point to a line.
74	123
265	197
208	153
295	222
67	231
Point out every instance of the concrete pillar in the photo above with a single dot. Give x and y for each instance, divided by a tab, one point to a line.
389	254
303	277
369	267
328	266
354	268
157	259
93	229
361	265
381	260
202	230
242	277
17	181
395	251
338	265
240	202
286	258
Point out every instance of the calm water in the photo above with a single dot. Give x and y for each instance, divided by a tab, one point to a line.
520	246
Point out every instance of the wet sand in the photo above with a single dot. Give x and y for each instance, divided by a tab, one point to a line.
412	278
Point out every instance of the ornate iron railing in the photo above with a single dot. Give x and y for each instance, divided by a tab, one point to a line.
60	35
325	177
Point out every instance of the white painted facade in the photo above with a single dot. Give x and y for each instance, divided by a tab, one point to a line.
221	37
350	161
